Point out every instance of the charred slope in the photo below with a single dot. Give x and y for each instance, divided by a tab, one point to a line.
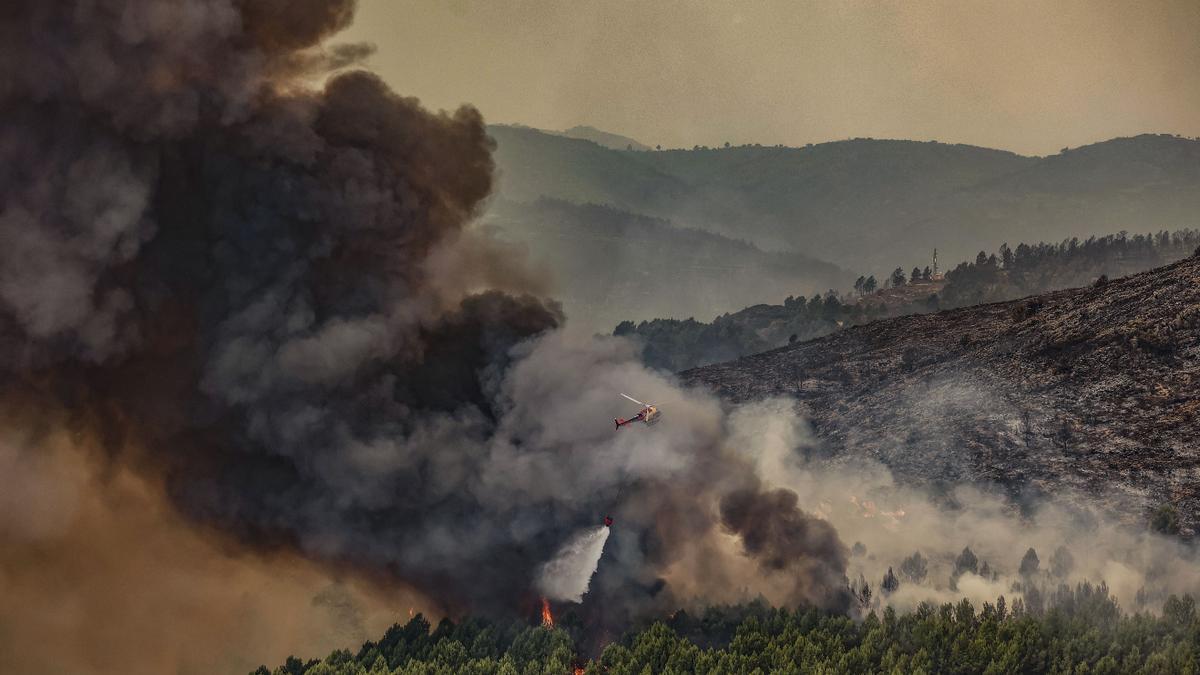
1089	391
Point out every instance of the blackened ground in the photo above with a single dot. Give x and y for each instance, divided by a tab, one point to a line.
1091	391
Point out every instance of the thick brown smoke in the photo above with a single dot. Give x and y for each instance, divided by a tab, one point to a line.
99	575
776	533
247	281
263	303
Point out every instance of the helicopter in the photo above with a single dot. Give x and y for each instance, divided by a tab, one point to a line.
648	414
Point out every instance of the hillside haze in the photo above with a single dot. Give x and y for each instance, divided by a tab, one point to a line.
609	265
865	204
605	138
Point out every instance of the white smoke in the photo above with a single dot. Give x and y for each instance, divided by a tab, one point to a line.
567	575
892	520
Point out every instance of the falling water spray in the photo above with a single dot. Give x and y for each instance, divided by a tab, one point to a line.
568	574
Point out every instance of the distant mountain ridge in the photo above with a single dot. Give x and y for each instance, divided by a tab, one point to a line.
868	204
610	265
604	138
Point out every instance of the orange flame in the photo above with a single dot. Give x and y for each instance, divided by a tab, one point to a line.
579	670
868	509
547	617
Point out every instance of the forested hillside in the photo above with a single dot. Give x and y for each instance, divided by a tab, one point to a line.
864	202
610	265
1067	631
674	345
1027	270
1145	182
1007	274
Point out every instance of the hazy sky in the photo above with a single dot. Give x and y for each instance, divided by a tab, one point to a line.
1026	76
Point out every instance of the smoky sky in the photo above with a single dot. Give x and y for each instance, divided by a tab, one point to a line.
265	299
1026	76
255	310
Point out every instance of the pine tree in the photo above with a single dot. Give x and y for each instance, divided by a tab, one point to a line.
864	591
1061	562
1029	563
914	568
966	562
1006	256
890	582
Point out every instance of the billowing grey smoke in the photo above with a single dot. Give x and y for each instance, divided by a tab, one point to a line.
267	296
235	273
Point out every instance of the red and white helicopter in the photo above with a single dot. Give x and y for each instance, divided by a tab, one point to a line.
648	414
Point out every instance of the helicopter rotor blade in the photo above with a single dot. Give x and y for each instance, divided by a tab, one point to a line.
633	399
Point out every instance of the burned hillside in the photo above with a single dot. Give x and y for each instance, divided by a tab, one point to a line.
1090	391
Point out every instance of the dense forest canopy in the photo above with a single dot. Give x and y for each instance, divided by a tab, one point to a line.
1069	630
1027	270
1007	274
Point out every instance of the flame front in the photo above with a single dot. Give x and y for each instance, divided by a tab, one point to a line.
547	617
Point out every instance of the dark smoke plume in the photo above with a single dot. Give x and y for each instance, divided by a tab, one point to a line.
267	296
776	533
234	273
